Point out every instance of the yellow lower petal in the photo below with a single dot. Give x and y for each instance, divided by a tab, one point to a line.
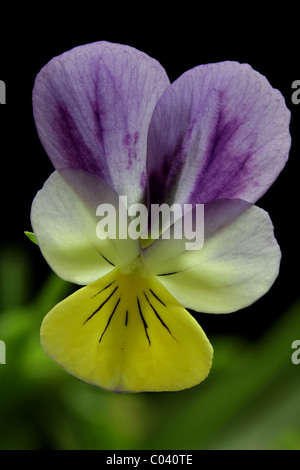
128	334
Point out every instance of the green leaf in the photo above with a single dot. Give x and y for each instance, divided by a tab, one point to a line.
31	237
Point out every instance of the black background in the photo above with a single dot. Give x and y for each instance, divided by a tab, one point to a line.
31	38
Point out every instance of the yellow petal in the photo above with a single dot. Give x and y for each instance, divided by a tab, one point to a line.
127	333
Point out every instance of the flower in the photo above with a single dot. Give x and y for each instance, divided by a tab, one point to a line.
113	125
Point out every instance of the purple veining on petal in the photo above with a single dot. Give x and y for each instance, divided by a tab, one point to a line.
172	168
92	107
158	182
143	180
78	155
130	143
214	177
219	131
161	180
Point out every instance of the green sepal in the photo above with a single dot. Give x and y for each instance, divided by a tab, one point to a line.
31	237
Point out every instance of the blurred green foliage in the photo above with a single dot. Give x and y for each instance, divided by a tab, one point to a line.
251	399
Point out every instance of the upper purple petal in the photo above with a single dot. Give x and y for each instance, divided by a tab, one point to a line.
92	107
219	131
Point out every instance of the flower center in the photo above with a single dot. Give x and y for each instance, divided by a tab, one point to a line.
136	267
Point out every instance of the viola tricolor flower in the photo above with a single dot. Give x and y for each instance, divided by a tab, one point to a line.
113	125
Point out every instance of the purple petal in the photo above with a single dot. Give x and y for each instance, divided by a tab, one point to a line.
219	131
92	107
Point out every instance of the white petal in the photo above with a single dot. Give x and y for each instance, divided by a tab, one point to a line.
236	266
64	220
